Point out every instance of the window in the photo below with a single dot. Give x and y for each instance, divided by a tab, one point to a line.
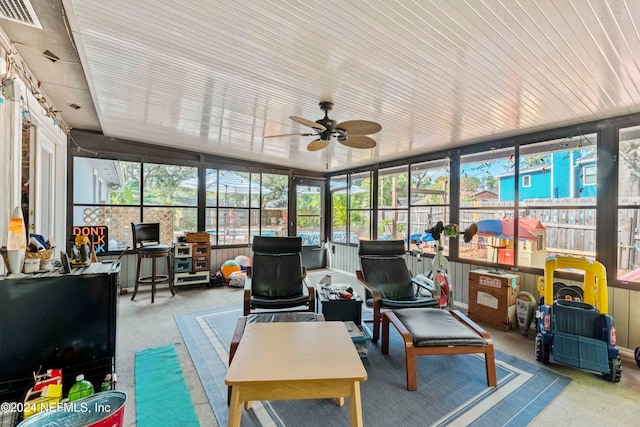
351	207
170	197
556	201
487	192
274	204
115	205
629	205
240	205
393	203
560	210
116	193
338	186
235	191
589	175
359	207
429	202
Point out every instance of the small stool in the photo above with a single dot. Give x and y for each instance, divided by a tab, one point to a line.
428	331
265	318
150	232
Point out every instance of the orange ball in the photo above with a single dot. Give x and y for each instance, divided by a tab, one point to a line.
229	267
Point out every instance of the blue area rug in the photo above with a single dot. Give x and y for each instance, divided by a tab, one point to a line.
162	396
452	390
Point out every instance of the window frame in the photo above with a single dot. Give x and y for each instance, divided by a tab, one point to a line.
593	176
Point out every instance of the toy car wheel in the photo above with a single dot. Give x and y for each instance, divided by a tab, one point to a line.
542	350
615	370
637	356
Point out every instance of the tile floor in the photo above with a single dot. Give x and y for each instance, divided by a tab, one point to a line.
588	400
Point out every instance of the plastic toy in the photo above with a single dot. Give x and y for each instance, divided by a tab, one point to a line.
229	267
47	391
244	261
574	326
440	287
525	309
81	251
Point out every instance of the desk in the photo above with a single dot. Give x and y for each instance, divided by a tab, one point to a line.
295	360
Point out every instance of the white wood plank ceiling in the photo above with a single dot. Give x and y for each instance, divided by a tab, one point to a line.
216	76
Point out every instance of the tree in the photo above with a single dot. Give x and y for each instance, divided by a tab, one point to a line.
490	183
470	184
387	191
279	186
535	160
630	167
339	208
129	192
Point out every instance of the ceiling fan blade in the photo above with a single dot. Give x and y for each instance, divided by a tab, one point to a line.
317	145
360	127
358	141
309	123
289	134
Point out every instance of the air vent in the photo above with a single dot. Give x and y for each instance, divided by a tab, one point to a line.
52	57
19	11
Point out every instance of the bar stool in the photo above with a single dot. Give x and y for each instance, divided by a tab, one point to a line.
146	241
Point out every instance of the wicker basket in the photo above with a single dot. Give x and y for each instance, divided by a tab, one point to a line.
199	237
44	257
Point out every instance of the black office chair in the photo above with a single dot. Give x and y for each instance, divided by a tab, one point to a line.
146	242
276	279
387	280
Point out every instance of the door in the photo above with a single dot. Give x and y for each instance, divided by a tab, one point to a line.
42	188
309	203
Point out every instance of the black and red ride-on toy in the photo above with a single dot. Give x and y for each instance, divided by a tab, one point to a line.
572	323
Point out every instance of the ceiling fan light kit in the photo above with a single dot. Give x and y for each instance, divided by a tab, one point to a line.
352	133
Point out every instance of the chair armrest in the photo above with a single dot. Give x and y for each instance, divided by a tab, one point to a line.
311	291
246	298
423	285
374	292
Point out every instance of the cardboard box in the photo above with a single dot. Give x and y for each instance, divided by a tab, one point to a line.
492	299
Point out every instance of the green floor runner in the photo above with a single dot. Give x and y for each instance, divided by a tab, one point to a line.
162	397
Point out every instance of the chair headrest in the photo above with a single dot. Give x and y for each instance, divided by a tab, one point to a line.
146	232
381	247
277	245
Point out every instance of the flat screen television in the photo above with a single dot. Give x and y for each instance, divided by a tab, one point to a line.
65	321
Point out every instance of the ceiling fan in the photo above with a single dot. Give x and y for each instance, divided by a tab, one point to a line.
352	133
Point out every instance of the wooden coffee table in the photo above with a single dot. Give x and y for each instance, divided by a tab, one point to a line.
295	360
